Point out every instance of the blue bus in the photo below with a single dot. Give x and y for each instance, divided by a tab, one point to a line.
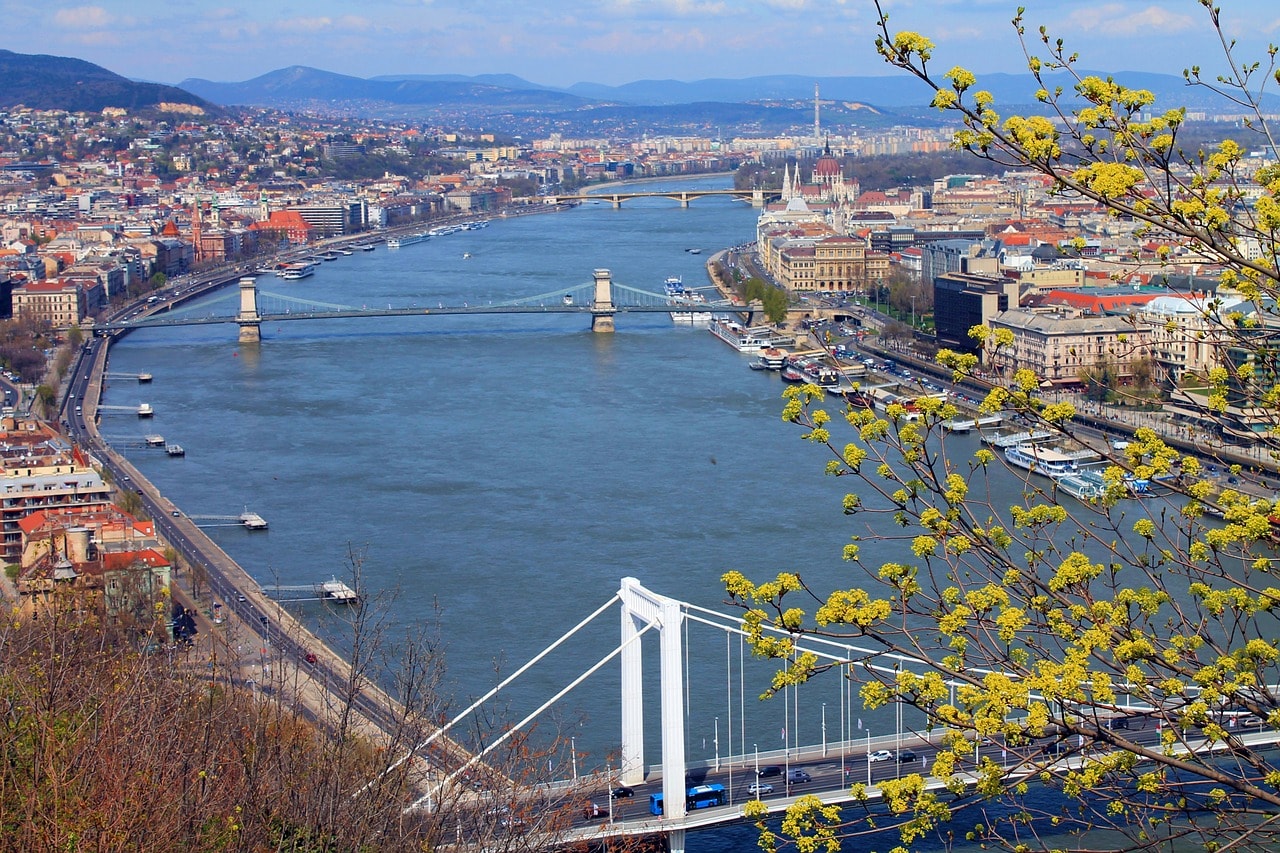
699	797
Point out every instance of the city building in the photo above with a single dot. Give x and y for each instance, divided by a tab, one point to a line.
1061	345
963	300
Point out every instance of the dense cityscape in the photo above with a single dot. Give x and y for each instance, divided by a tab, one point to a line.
105	213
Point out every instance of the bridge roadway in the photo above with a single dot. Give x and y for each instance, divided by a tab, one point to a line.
756	196
152	322
832	774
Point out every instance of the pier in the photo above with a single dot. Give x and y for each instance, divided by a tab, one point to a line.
249	520
333	591
142	410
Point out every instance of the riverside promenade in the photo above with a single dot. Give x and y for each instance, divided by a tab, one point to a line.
276	653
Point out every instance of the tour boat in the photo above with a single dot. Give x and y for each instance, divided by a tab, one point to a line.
1039	459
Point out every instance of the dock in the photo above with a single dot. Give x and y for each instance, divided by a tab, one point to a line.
252	520
336	591
333	591
1008	438
249	520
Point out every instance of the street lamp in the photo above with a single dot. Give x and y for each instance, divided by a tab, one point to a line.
757	748
913	313
824	729
717	742
868	756
573	756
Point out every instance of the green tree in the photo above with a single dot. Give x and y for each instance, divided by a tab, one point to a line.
1121	655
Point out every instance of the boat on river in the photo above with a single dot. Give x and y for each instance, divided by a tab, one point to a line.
405	240
748	338
293	272
1003	438
1051	462
1086	486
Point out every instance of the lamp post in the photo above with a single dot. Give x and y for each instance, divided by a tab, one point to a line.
608	775
757	749
573	756
913	313
717	742
824	729
868	757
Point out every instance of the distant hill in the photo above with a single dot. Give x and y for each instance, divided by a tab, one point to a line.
300	86
892	91
774	104
62	83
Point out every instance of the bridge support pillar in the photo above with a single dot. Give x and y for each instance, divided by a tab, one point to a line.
602	304
684	199
675	841
757	198
248	319
642	608
617	202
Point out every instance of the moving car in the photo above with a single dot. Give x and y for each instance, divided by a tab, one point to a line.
758	788
770	770
622	792
880	755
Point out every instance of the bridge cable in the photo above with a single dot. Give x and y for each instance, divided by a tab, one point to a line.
486	697
511	731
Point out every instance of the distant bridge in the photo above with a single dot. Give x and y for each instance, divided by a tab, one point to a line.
600	299
757	197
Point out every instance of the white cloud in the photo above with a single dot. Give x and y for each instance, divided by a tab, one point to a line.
1115	19
304	25
82	18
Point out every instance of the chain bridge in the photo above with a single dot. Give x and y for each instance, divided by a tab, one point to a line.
600	299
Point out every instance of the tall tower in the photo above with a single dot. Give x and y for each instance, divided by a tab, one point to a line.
816	132
196	232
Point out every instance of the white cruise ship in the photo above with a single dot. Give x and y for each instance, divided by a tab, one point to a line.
749	339
1047	461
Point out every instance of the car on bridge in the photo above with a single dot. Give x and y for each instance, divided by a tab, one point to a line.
880	755
795	777
769	770
622	792
758	788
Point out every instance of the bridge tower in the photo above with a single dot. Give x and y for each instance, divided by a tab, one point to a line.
640	609
248	319
757	197
602	305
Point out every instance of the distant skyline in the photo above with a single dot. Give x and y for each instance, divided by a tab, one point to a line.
562	42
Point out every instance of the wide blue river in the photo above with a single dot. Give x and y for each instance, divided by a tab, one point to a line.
499	475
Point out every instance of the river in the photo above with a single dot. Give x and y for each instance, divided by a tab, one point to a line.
510	470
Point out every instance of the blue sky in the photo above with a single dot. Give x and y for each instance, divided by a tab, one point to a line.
560	42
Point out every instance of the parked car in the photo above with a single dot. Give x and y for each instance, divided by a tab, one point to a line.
880	755
758	788
770	770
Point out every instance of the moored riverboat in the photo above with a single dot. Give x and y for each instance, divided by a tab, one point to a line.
748	338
